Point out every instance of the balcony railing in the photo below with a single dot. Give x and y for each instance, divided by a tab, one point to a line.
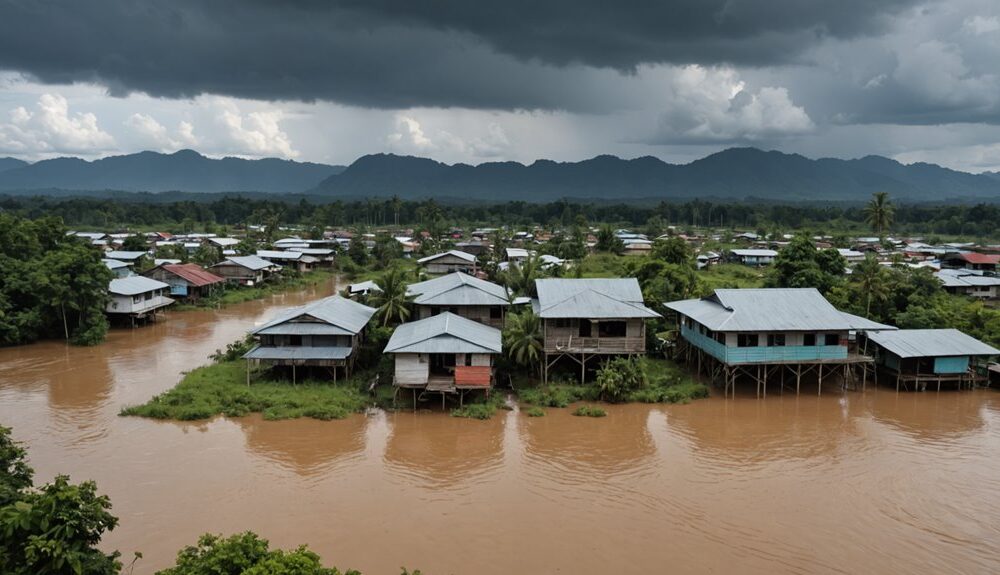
577	344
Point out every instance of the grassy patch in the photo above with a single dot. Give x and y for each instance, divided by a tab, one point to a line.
233	294
589	411
730	276
534	411
221	389
602	265
482	407
557	395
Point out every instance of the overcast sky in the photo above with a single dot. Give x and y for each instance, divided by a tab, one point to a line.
462	81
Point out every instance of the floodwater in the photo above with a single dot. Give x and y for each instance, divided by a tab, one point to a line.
843	483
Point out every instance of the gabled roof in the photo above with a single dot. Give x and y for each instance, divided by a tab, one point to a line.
617	298
364	286
966	278
194	274
461	255
758	253
765	309
347	317
859	323
276	255
135	285
444	333
976	258
931	343
254	263
114	264
124	256
224	242
457	289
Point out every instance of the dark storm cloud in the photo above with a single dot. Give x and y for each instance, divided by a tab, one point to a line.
402	54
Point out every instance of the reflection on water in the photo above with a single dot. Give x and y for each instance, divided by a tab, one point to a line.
843	483
431	450
306	446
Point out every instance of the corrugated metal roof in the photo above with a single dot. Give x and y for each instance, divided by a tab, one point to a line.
457	289
859	323
458	254
517	253
254	263
364	286
224	242
346	314
114	264
444	333
966	278
612	298
755	253
276	255
931	343
134	285
297	352
123	255
765	309
313	251
193	274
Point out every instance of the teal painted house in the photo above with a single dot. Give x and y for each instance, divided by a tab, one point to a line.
919	356
767	326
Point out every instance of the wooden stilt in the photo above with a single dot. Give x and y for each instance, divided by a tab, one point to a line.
293	374
248	373
819	391
798	378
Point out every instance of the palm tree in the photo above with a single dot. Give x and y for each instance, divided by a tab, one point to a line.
396	205
520	277
870	277
392	303
522	339
879	212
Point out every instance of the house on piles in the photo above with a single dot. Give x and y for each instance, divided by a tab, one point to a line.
446	354
584	319
136	298
450	261
118	269
971	261
188	281
916	358
765	334
972	283
245	270
297	261
462	295
324	334
754	257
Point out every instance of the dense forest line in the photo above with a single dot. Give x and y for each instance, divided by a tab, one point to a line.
971	221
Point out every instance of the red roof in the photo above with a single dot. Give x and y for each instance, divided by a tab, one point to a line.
193	273
978	258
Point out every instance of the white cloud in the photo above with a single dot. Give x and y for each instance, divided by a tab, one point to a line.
410	137
51	130
714	104
155	135
937	71
256	133
979	25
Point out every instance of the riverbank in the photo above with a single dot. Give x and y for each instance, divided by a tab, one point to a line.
235	295
221	389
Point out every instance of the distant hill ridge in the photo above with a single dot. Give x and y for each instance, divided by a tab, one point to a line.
185	170
733	174
736	173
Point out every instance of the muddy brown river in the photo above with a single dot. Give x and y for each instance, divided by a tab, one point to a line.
843	483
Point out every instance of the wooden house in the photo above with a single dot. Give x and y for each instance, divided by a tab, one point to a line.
970	283
764	332
188	281
589	318
130	258
915	358
119	269
362	289
136	297
970	261
296	260
450	261
462	295
445	354
754	257
323	334
245	270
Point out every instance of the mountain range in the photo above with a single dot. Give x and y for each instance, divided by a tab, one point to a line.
184	171
733	174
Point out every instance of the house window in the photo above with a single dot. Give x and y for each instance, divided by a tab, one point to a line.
612	329
747	340
468	360
136	298
720	337
295	340
832	339
496	312
776	340
808	339
563	323
149	295
585	328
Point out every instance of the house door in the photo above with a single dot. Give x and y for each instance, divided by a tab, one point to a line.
585	327
442	363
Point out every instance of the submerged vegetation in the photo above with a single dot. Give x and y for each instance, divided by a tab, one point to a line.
221	389
589	411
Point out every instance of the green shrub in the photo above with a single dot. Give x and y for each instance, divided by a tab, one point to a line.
619	377
589	411
475	411
534	411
